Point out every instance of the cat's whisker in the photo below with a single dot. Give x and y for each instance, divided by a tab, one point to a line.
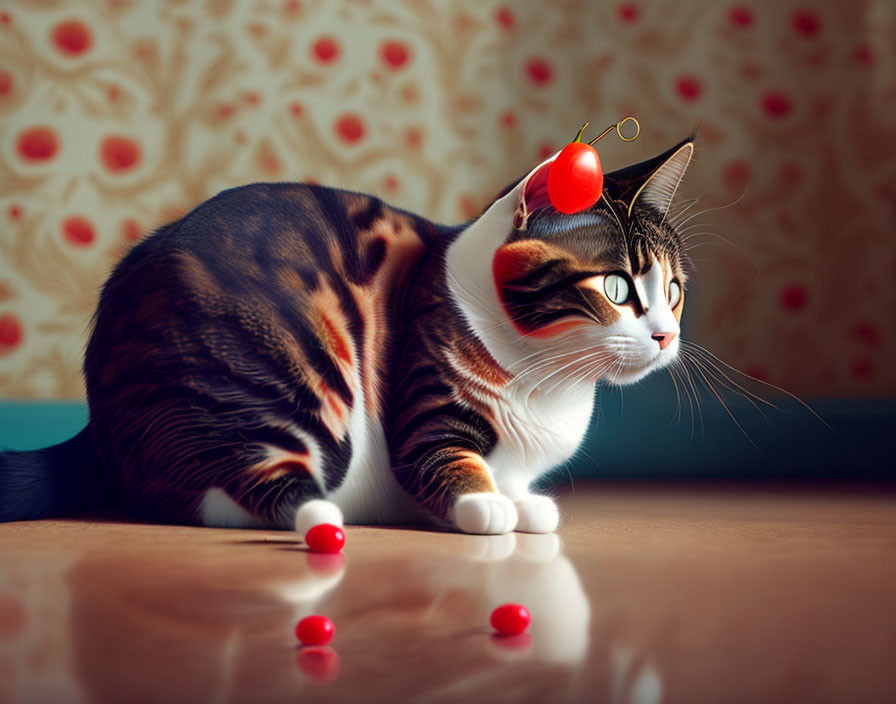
709	385
537	387
709	359
562	344
718	361
547	362
683	206
676	418
578	360
693	396
584	373
681	223
713	373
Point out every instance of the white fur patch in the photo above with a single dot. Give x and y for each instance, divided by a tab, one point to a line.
218	510
317	511
370	493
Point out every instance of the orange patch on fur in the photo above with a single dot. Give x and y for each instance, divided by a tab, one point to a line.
337	408
283	464
512	261
553	329
516	259
340	348
333	412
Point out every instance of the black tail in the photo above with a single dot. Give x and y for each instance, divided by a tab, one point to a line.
55	481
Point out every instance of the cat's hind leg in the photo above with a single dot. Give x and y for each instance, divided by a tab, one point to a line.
270	485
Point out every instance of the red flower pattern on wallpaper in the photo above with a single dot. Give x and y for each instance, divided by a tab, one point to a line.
116	117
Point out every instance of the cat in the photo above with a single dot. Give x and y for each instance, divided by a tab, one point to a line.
289	354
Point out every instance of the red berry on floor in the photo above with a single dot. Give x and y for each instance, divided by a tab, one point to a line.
325	537
315	630
510	619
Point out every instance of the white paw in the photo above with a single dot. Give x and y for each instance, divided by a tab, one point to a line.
537	514
316	511
486	513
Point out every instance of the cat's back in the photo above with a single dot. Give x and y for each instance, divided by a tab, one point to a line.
251	234
267	262
265	300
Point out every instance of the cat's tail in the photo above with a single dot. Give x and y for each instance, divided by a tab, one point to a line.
54	481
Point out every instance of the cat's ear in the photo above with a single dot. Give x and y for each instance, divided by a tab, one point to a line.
652	182
660	187
532	193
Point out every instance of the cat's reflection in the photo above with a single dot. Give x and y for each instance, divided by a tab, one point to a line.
196	625
531	570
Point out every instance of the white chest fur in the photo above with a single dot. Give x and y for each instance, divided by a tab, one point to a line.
537	432
538	428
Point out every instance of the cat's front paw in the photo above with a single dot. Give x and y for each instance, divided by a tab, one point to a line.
486	513
537	514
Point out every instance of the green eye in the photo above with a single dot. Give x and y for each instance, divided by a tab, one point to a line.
616	288
674	294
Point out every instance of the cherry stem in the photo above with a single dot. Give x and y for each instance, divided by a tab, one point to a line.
582	131
603	134
618	128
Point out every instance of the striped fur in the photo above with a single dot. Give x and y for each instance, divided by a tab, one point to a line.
289	342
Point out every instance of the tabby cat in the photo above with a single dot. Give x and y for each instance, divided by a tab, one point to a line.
288	354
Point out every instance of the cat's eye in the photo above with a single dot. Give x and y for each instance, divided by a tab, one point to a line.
616	288
674	294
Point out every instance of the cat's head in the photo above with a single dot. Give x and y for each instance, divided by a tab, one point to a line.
606	284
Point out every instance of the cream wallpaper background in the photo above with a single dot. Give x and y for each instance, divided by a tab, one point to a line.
117	116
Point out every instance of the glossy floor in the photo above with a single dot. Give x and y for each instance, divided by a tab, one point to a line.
650	594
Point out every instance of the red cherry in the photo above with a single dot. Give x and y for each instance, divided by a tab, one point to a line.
510	619
576	178
325	537
315	630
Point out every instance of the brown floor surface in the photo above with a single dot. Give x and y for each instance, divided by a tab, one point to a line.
684	594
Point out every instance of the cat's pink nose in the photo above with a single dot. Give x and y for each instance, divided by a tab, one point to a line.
664	338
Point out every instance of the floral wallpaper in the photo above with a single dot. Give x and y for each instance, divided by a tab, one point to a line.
117	116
